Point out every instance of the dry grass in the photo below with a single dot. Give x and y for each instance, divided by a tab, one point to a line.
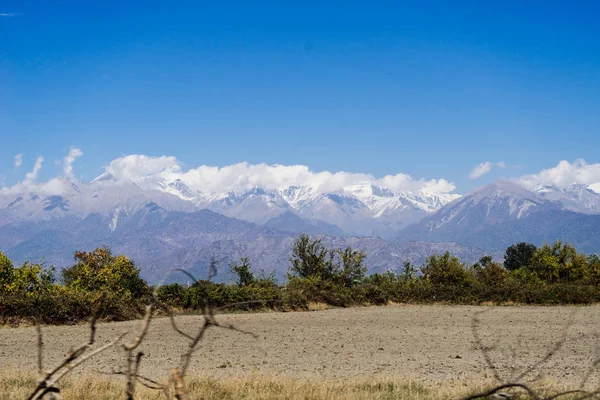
14	385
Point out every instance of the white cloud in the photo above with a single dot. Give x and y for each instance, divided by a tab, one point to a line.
243	175
147	170
501	164
480	170
18	160
68	160
8	14
139	166
564	175
32	176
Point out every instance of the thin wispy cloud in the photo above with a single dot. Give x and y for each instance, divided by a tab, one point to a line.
480	170
68	160
18	160
8	14
484	168
32	176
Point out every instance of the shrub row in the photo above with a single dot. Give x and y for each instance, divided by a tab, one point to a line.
110	286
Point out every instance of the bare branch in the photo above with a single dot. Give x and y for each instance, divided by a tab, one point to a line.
93	328
495	390
594	365
143	380
40	347
557	346
589	373
169	313
133	365
74	359
179	385
178	374
90	355
479	342
145	325
532	394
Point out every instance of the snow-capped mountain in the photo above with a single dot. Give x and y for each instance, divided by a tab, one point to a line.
169	222
504	212
578	198
495	203
256	205
357	209
365	210
397	210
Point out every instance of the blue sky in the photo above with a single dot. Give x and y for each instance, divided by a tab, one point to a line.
428	88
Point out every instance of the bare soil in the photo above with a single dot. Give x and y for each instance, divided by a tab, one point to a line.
429	344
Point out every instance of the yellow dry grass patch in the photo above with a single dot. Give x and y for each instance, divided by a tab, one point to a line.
88	387
256	387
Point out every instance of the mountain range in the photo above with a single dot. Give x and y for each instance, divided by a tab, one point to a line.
164	223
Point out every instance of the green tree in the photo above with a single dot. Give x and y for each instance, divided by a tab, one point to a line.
559	262
30	278
409	272
242	272
482	263
312	259
489	272
352	269
100	270
7	271
593	262
445	270
518	255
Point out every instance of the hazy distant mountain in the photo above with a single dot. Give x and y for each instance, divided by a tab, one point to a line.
503	213
272	254
159	241
292	223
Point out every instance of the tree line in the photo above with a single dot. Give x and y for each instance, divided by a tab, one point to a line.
111	286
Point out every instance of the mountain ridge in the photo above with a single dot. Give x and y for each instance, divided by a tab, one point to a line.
158	228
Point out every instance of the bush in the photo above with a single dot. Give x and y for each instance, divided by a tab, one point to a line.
559	263
446	270
312	259
99	270
173	295
491	273
6	272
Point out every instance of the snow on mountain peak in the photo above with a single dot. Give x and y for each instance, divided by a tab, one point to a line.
180	189
595	187
577	197
358	209
105	177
